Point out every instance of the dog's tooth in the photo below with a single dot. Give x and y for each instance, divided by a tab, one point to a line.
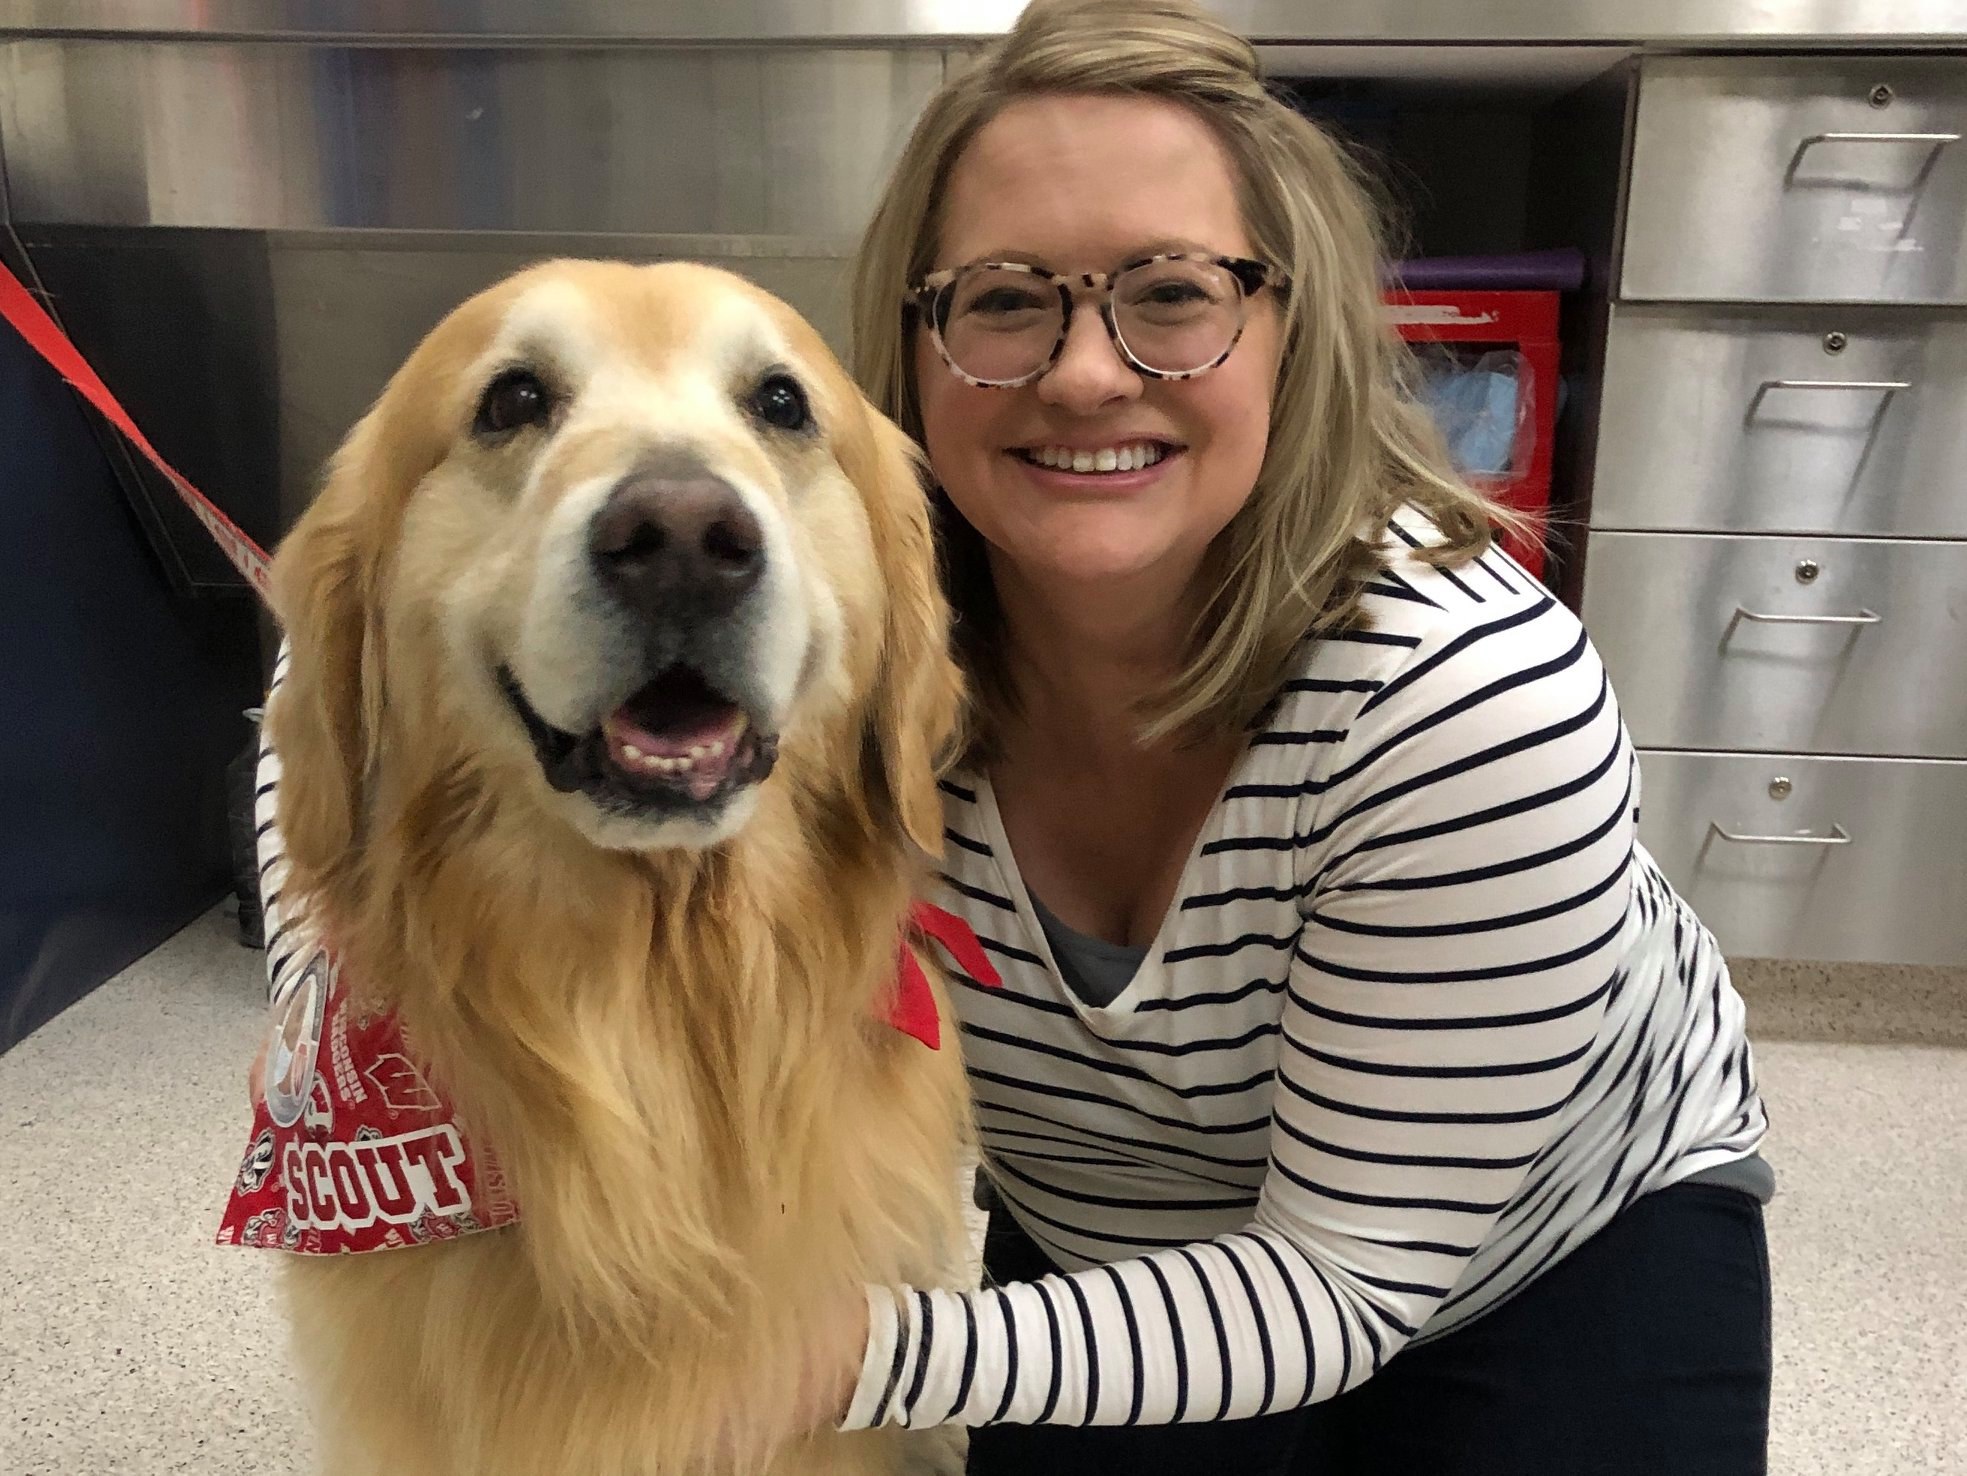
629	750
1123	459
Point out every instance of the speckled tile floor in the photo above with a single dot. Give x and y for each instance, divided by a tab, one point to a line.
131	1345
129	1342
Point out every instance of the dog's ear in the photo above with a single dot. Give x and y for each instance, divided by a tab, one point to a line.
326	720
918	690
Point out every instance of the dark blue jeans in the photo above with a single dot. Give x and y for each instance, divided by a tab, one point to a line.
1644	1351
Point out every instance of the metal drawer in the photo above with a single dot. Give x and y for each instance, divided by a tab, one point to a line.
1860	859
1715	641
1778	180
1784	420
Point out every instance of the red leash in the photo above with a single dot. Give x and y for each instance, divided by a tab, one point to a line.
45	337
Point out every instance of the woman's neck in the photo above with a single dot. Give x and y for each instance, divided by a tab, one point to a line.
1083	660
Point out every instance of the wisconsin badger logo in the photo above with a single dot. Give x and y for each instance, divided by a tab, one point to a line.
258	1163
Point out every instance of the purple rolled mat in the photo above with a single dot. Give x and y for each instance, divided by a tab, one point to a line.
1561	270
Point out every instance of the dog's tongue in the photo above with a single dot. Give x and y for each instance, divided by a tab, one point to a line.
677	731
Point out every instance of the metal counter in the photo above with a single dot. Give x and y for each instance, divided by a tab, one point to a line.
247	237
780	22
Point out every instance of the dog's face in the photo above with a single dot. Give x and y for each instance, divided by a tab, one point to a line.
628	531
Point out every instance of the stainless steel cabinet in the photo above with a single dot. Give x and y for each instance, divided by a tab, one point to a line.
1776	569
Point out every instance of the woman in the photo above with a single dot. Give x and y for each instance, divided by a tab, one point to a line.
1360	1098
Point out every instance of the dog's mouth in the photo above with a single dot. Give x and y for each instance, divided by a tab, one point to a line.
676	742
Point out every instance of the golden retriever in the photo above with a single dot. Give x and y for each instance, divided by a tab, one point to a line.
619	668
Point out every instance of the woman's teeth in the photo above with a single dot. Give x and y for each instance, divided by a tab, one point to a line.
1130	457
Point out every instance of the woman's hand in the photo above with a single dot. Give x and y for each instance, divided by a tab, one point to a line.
809	1397
833	1369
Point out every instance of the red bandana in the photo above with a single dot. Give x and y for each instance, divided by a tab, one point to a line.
357	1151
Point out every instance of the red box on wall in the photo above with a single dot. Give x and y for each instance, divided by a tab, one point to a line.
1524	323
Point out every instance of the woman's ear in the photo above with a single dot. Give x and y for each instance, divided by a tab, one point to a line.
918	688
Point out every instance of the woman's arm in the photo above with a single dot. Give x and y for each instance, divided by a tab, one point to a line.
1473	850
291	939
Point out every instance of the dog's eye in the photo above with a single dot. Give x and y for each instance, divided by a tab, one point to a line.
780	401
516	398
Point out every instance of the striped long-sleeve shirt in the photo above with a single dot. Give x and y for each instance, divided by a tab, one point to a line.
292	937
1422	1017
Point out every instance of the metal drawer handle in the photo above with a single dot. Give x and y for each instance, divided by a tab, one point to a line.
1934	142
1937	140
1889	386
1863	617
1884	388
1838	836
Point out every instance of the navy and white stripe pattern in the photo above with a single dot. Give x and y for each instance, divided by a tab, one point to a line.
291	938
1423	1017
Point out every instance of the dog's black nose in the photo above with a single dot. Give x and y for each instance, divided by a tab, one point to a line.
677	546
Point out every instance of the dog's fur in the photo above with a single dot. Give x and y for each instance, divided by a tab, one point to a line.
669	1030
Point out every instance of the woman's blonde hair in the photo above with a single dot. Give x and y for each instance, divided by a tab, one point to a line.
1348	443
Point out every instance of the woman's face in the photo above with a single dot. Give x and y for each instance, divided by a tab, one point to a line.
1085	184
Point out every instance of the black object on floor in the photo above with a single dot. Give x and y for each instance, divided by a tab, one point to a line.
240	781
